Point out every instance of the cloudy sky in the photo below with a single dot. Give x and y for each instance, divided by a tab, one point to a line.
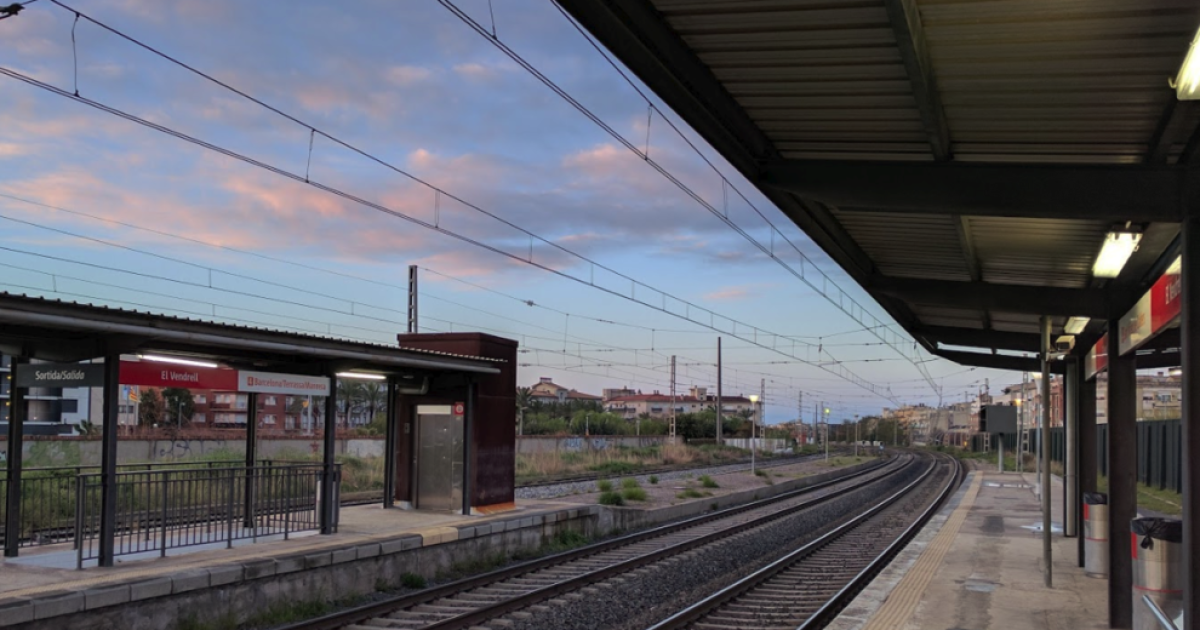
96	208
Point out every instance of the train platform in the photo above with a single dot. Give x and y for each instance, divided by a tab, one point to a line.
43	583
977	566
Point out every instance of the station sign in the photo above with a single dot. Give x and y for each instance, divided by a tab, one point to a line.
157	374
59	375
1158	309
1097	358
294	384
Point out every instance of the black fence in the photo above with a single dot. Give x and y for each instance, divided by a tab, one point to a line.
48	497
159	510
1159	450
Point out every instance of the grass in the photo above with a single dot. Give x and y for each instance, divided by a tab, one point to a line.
411	580
766	477
846	460
473	566
653	479
630	483
689	493
1151	498
634	494
708	482
604	485
611	498
619	460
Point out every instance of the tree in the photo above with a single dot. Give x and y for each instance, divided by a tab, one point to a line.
524	401
179	406
349	396
150	408
374	396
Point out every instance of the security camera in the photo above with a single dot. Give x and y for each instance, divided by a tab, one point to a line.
1064	343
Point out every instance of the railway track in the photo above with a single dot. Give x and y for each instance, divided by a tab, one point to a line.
806	588
519	590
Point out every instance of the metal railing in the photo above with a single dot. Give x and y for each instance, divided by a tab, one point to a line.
48	499
1163	620
157	510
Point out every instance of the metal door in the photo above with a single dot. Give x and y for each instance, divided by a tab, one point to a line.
439	458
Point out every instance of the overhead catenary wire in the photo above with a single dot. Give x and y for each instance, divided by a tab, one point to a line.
896	343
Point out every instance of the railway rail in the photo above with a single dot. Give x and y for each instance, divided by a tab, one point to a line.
517	589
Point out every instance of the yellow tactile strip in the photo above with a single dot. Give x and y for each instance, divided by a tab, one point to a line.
903	600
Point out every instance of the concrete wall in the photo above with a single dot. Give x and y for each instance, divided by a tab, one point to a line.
763	444
530	444
86	452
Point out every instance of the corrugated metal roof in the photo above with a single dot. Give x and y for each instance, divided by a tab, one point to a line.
101	308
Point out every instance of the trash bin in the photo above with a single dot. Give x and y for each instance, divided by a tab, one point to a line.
1095	534
1157	548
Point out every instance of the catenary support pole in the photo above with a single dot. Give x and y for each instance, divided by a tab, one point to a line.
328	500
108	459
15	461
1087	447
1047	552
390	440
1122	477
1190	325
248	512
413	326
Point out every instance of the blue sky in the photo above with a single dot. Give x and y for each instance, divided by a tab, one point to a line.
412	85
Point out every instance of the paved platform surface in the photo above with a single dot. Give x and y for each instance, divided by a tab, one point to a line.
978	566
48	569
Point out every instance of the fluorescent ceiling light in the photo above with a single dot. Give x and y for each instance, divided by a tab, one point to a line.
1187	82
162	359
362	376
1118	247
1075	325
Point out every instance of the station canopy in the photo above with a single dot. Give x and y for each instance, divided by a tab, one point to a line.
964	161
53	330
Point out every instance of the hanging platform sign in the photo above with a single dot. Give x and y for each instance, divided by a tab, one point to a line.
1158	309
158	374
1097	358
59	375
270	383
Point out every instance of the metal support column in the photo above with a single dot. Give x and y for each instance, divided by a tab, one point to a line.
468	442
389	443
413	327
108	459
1122	477
1071	494
1087	447
16	437
1047	552
1190	325
248	510
328	502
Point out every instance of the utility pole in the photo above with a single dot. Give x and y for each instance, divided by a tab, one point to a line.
672	399
826	433
718	391
412	300
1021	425
800	411
856	435
762	404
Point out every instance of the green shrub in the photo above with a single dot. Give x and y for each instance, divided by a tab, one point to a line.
634	494
690	493
654	479
760	472
630	483
604	485
611	498
616	467
412	580
708	482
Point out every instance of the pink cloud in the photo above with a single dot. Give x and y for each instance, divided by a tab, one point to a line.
728	294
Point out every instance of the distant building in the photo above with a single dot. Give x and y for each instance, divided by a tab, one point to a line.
547	391
658	405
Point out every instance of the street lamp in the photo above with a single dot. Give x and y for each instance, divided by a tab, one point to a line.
753	422
827	434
